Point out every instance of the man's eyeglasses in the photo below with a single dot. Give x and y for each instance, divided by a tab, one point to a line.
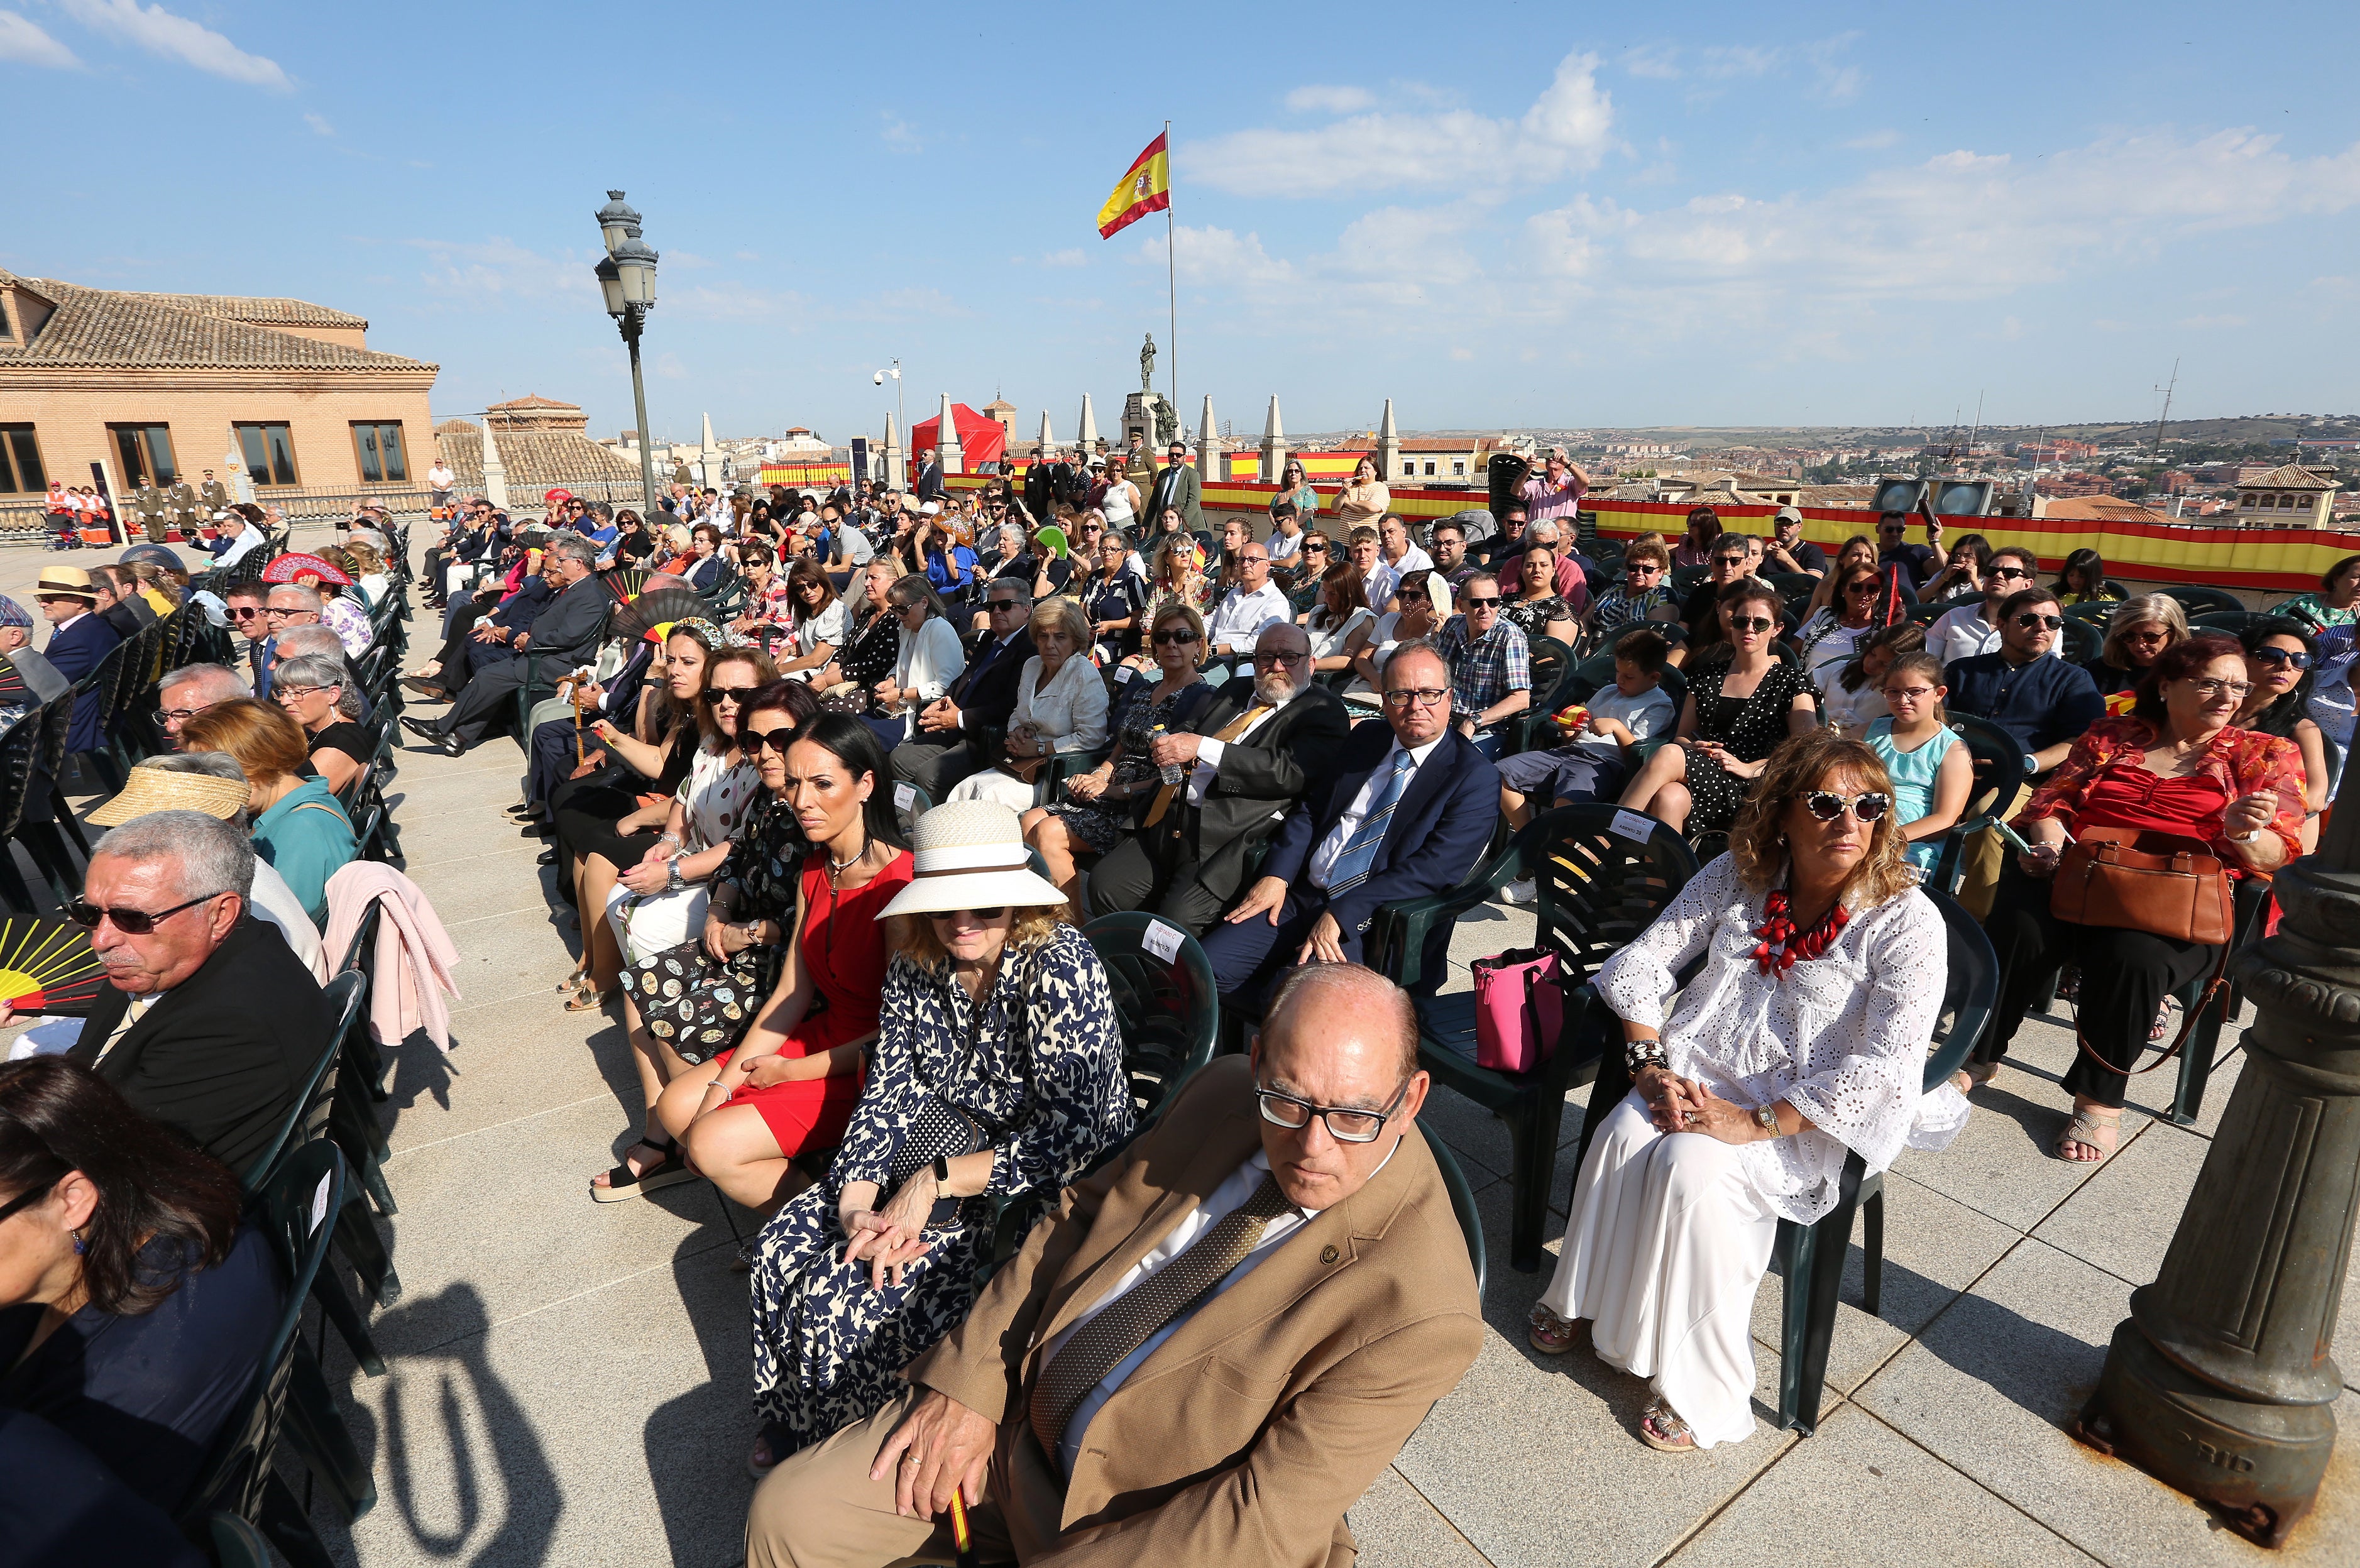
130	922
245	611
2289	658
1277	657
2033	621
1491	605
1424	696
999	604
1827	805
275	611
1344	1125
2009	573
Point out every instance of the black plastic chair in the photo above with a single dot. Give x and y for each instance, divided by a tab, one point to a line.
237	1544
1686	578
2096	612
2083	642
1463	1207
1811	1257
1999	773
1594	891
2228	623
2199	599
2250	900
1789	583
100	684
240	1474
1553	667
1170	1010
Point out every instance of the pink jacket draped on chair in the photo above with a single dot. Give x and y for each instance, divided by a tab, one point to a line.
415	957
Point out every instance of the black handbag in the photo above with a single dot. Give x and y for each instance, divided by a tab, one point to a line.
939	1130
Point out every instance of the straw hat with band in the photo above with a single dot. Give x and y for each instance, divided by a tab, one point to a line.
150	790
65	583
970	854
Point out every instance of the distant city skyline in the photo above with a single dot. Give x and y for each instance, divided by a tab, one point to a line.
1832	217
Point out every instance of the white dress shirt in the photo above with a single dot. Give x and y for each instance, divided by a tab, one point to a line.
1323	859
1964	632
1238	621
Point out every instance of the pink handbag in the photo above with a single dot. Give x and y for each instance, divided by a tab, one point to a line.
1519	1009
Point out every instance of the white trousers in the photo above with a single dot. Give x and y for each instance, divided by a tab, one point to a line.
1667	1243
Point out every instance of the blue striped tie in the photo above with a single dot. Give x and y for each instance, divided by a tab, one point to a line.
1360	856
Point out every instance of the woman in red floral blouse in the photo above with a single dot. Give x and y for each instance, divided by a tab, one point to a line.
2173	771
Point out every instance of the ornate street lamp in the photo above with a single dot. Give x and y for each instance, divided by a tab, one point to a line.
627	279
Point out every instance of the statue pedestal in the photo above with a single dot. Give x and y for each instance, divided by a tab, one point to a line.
1150	417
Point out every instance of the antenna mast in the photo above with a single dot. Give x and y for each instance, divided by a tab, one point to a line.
2159	418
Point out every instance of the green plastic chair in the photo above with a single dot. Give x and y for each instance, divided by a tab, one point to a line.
2229	623
2199	599
1595	891
1463	1207
1169	1007
1999	773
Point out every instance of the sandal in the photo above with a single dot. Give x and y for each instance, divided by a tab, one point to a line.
768	1450
572	982
587	999
2091	1131
670	1171
2162	1022
1547	1332
1662	1429
1977	1074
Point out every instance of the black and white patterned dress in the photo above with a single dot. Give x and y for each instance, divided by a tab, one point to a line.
1101	825
1038	1065
1750	727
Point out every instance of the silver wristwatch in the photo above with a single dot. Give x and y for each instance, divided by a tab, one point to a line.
1767	1116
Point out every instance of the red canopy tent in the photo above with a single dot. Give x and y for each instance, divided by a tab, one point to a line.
981	441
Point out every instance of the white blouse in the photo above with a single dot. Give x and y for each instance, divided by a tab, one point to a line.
1842	1037
1071	710
1328	642
831	625
929	661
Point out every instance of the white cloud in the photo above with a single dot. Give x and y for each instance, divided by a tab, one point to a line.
734	302
24	42
899	136
319	124
1659	61
1331	100
1874	140
160	32
1566	130
1818	66
1069	257
501	271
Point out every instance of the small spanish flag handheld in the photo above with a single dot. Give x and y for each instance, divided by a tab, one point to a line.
1145	187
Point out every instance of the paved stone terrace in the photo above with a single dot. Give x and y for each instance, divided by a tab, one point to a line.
569	1381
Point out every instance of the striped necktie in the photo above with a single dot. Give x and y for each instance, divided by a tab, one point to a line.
1101	1345
1236	727
1360	855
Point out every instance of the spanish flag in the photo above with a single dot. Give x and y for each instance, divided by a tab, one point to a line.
1145	187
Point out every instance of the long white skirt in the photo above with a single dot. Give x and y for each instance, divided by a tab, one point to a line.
1667	1243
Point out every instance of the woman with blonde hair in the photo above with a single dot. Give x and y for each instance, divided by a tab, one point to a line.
1802	1042
2137	631
298	825
996	1071
1061	706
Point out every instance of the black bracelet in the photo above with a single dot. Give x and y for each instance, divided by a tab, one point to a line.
1638	1055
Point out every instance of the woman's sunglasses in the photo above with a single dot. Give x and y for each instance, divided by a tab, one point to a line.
1751	622
1827	805
775	740
1181	637
2292	658
984	915
737	694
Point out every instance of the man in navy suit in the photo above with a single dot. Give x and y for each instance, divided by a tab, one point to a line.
79	640
1405	815
942	752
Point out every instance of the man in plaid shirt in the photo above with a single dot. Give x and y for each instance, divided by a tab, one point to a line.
1490	668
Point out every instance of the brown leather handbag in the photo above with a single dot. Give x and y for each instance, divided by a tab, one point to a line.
2102	881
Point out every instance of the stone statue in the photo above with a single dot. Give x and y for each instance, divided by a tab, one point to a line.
1167	424
1147	365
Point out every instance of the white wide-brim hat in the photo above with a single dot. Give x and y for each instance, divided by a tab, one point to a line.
970	854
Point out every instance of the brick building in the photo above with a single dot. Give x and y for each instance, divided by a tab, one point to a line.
169	384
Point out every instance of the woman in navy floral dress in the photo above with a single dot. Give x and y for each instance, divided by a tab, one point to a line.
1003	1022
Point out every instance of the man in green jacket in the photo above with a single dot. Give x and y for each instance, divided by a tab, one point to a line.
1175	485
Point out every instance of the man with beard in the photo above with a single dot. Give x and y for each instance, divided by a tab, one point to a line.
1245	759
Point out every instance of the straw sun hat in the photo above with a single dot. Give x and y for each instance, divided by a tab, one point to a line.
150	790
970	854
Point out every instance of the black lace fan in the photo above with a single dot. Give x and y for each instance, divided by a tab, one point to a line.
658	607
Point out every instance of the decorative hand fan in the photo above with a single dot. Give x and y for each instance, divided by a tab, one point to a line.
297	565
657	607
48	967
624	581
1053	539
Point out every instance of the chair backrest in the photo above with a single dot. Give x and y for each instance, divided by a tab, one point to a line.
1790	583
2197	599
1686	578
296	1210
20	747
1552	662
1970	991
1462	1205
308	1117
2083	642
237	1544
1164	992
1998	762
2228	623
1597	884
2097	612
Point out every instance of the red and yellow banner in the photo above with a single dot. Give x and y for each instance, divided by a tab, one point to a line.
805	475
1145	187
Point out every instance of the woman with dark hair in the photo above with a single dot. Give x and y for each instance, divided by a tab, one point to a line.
787	1085
134	1306
2280	660
1341	623
1855	698
1364	500
634	545
2174	774
2336	601
684	1005
2082	580
927	657
1962	572
1294	496
1741	704
1799	1042
1858	613
1537	609
2137	631
1858	550
822	624
702	569
998	1072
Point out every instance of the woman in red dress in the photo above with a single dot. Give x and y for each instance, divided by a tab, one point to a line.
788	1088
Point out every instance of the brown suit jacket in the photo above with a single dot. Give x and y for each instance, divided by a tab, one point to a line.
1245	1436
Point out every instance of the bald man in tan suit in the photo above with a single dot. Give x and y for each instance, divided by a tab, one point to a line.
1101	1408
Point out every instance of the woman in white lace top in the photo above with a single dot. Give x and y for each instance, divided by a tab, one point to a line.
1803	1037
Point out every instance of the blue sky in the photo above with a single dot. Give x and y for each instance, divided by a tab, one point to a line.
1493	214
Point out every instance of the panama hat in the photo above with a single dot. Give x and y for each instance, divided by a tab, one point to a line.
970	855
64	583
150	790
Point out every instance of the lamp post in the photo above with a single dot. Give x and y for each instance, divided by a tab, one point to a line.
627	279
900	409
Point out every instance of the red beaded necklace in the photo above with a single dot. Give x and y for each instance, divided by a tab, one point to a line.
1782	944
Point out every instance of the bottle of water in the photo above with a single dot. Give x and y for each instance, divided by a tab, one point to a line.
1172	771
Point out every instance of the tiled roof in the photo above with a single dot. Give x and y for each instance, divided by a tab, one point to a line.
257	312
530	457
106	328
2102	508
533	400
2286	477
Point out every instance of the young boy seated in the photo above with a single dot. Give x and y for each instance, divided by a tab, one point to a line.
1596	763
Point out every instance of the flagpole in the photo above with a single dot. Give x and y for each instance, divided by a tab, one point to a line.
1172	286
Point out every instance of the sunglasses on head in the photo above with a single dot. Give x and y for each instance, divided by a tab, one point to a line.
130	922
2293	658
1827	805
2033	621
